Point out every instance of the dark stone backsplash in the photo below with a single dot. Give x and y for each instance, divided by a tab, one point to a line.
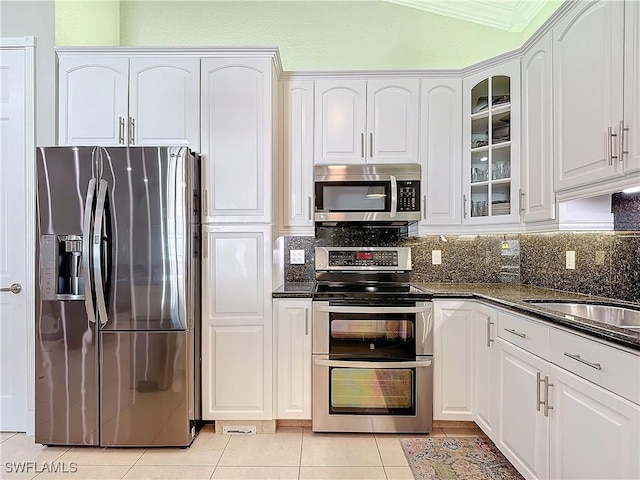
626	211
607	263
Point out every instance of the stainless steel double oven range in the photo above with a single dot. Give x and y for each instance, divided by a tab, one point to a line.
372	343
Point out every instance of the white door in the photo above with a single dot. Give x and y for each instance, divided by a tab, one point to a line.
14	226
453	360
440	151
588	49
523	431
538	196
594	433
292	318
392	121
340	121
237	351
164	101
93	100
485	385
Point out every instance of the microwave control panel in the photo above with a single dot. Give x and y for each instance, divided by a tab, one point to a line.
408	196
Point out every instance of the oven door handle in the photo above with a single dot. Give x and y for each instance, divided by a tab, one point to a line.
373	364
345	309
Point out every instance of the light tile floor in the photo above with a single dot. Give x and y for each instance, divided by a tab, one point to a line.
290	453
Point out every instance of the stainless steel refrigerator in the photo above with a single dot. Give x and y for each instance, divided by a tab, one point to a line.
118	304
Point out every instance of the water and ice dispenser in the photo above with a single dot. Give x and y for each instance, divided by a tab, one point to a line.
61	267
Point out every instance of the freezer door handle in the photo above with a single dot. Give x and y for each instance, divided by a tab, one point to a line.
97	252
86	250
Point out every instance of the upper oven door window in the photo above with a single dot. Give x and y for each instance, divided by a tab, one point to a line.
353	196
388	336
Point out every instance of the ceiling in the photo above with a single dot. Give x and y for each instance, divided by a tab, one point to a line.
507	15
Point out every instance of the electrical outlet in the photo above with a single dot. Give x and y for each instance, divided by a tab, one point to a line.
571	260
436	257
296	257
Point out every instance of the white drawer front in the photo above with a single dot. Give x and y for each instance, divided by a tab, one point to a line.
526	334
601	364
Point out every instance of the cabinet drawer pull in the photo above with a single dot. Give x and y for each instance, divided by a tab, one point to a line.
577	358
362	145
521	335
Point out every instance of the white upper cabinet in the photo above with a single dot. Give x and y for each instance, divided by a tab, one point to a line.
588	54
538	196
164	101
440	151
491	145
237	133
296	175
631	137
92	99
358	121
120	100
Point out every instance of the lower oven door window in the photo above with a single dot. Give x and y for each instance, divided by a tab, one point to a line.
372	391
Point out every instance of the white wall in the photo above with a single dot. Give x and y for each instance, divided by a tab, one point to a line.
20	18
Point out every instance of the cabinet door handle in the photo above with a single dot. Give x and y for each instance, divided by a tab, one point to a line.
371	144
362	145
539	402
306	322
309	207
621	151
521	200
521	335
610	155
132	131
205	203
547	407
424	207
464	206
121	130
205	245
489	339
577	358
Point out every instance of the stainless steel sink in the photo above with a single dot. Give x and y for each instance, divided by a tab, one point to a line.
610	314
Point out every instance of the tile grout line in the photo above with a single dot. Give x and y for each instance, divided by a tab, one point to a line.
301	447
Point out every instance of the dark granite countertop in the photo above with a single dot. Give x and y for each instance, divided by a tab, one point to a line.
512	297
294	290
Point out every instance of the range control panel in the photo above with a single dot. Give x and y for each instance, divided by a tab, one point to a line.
363	258
408	196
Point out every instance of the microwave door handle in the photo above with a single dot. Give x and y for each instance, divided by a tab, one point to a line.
394	197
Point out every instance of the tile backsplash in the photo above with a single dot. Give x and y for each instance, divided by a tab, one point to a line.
607	263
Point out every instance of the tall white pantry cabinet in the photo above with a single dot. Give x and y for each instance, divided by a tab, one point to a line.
239	95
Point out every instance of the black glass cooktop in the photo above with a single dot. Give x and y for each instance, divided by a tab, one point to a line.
368	290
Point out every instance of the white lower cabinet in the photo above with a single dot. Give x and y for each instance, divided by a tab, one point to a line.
292	331
485	385
523	433
453	360
554	421
237	352
594	433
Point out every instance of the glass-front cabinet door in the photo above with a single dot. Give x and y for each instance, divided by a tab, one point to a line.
491	145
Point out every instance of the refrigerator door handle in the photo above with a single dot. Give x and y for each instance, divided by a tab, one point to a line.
86	251
97	252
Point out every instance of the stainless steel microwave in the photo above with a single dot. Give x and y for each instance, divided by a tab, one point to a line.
388	193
